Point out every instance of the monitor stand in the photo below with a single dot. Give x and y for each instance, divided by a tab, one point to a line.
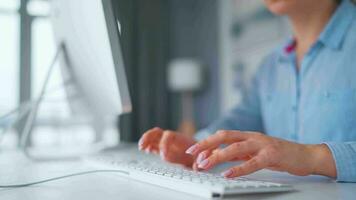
38	154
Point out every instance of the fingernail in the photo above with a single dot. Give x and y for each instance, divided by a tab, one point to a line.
162	154
192	150
227	173
204	164
140	142
140	147
201	157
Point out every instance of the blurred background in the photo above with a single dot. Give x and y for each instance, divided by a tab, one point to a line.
224	39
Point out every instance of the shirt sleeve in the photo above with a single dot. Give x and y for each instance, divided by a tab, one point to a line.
246	116
344	154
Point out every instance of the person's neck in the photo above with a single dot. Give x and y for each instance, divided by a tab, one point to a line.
308	25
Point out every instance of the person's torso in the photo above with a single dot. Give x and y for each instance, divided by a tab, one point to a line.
318	102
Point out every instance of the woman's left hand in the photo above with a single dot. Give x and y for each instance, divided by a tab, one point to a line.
260	151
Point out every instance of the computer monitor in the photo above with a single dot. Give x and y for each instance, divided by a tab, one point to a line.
89	32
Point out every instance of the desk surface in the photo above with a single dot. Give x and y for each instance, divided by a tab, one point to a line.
15	168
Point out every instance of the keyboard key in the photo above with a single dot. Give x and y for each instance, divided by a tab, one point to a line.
180	177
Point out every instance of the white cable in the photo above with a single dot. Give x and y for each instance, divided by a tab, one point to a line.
61	177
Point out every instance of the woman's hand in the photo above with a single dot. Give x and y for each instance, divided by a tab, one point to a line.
260	151
170	145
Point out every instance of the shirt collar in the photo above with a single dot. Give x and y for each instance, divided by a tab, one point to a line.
335	31
286	51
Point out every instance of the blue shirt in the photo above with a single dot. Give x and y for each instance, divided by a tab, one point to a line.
315	104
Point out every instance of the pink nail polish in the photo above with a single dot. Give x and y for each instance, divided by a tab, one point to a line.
140	142
192	150
201	157
204	164
227	173
162	154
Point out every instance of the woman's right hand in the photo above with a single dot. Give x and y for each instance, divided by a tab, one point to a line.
170	145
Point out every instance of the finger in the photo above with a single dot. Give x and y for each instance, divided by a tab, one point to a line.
170	153
167	139
242	158
214	141
174	157
155	150
231	152
195	166
152	149
148	149
149	137
248	167
202	156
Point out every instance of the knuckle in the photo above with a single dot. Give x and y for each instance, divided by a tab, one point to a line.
258	135
145	138
239	170
236	146
221	133
215	151
149	132
144	135
207	142
157	128
215	158
220	156
203	143
167	132
173	133
199	144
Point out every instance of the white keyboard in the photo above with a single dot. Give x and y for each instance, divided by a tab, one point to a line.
153	171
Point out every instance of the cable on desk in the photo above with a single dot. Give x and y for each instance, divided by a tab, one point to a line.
61	177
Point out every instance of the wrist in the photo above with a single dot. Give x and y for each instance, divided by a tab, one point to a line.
322	161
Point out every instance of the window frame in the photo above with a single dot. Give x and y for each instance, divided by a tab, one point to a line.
25	53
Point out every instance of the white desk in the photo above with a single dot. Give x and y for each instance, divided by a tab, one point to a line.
110	186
